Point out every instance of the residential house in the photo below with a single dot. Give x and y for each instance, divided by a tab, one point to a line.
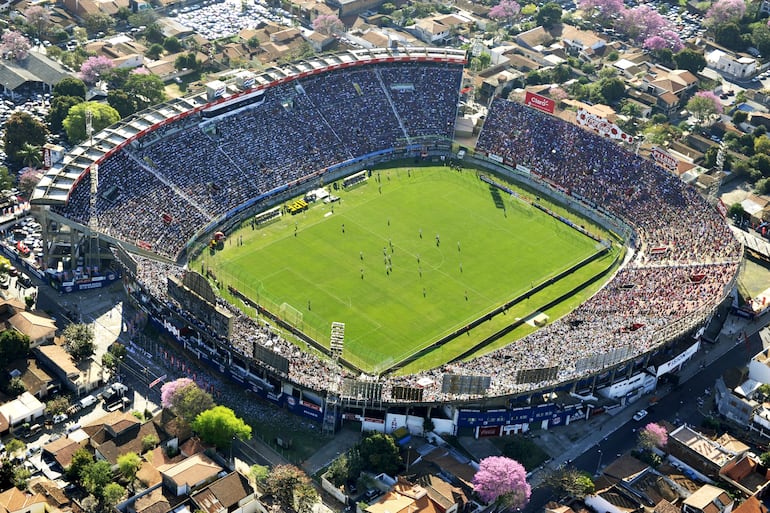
733	65
14	500
345	8
440	29
627	68
747	475
36	380
118	433
80	377
25	408
671	87
534	39
703	454
405	497
122	50
611	497
751	505
586	45
708	499
61	450
189	474
54	496
446	497
230	494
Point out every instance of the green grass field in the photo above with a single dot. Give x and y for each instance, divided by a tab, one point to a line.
373	260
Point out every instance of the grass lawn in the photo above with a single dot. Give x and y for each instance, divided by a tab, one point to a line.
402	260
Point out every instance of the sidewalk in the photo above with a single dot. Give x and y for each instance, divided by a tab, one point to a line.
568	442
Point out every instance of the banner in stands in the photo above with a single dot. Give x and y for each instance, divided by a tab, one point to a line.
722	208
601	126
664	159
539	102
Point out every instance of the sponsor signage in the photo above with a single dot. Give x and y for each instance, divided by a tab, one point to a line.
539	102
601	126
664	159
47	158
678	360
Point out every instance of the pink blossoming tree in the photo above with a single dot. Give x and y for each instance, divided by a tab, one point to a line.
666	39
602	9
506	10
503	481
723	11
94	67
653	435
328	24
642	22
168	390
14	45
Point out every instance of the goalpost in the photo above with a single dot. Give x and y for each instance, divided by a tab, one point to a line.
290	314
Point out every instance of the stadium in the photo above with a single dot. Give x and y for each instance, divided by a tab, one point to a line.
143	198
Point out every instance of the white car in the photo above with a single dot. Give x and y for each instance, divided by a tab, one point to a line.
640	415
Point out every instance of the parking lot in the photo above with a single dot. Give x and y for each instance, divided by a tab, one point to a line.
215	20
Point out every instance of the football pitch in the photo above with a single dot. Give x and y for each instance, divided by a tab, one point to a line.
402	259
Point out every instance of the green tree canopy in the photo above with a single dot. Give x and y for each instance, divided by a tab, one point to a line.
283	481
122	102
95	476
172	45
570	481
21	128
13	345
70	86
189	401
146	89
128	465
81	459
379	453
75	122
60	107
691	60
549	14
79	341
30	155
219	426
98	22
111	495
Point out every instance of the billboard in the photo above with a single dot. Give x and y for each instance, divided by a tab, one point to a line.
539	102
601	126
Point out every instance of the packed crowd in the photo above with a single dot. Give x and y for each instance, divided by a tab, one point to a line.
208	168
658	287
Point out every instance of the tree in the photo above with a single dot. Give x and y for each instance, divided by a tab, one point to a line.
98	22
764	458
502	481
611	89
145	89
150	442
549	14
154	34
154	51
15	446
170	389
762	144
21	475
570	481
38	18
128	465
328	24
172	45
57	405
190	401
111	495
258	475
653	436
305	496
339	471
691	60
642	22
75	122
14	45
81	459
729	35
95	476
379	453
666	40
704	105
60	107
94	68
602	9
219	426
723	11
15	387
79	341
13	345
506	10
30	155
70	86
22	128
282	482
121	102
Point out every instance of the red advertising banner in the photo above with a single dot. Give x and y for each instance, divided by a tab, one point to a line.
539	102
487	431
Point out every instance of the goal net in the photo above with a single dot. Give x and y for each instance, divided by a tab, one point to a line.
290	314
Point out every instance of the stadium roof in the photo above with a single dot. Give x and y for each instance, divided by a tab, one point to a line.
60	180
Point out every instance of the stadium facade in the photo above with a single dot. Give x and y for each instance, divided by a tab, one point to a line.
138	198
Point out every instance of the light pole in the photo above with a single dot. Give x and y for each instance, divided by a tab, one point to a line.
599	464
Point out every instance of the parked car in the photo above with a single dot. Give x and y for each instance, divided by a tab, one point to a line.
640	415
